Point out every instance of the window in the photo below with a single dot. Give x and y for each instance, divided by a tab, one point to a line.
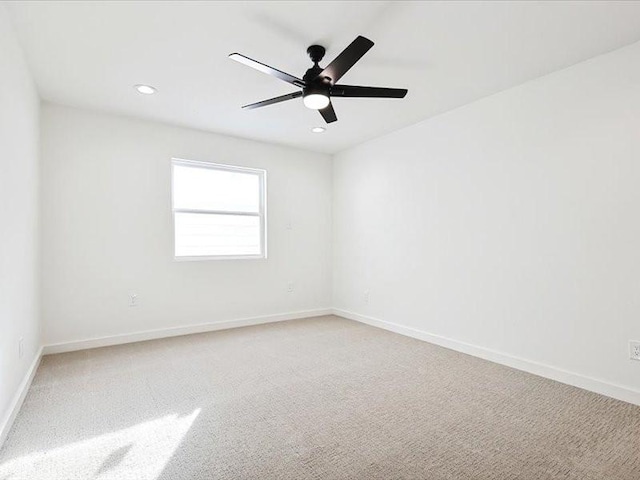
218	210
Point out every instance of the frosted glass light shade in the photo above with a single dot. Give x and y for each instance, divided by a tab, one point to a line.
315	101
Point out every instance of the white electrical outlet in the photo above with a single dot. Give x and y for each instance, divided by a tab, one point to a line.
634	350
21	347
290	287
366	296
133	300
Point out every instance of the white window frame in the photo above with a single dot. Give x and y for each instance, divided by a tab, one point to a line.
262	212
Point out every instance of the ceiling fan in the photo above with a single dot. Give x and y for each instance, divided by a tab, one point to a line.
318	85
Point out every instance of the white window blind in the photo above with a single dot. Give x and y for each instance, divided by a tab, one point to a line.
218	210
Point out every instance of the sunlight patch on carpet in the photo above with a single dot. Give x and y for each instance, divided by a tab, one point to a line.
140	452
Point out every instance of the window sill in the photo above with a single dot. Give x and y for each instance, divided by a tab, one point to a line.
219	257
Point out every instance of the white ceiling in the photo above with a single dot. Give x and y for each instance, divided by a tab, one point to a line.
89	54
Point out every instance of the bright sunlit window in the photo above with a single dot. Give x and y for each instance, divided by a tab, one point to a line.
218	211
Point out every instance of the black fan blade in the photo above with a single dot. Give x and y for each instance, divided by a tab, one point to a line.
371	92
347	59
271	101
329	114
267	69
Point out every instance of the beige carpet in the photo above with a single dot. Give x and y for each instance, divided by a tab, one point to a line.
321	398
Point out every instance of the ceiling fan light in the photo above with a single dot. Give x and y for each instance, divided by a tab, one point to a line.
316	101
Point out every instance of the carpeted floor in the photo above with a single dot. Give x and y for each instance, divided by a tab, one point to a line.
322	398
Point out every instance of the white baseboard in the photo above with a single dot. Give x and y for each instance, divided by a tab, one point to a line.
577	380
16	403
177	331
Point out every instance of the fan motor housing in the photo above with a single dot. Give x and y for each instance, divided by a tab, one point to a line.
319	88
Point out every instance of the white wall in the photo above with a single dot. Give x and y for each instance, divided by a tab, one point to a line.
19	310
108	229
512	223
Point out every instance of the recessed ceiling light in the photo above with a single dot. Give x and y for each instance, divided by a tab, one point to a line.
145	89
318	129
